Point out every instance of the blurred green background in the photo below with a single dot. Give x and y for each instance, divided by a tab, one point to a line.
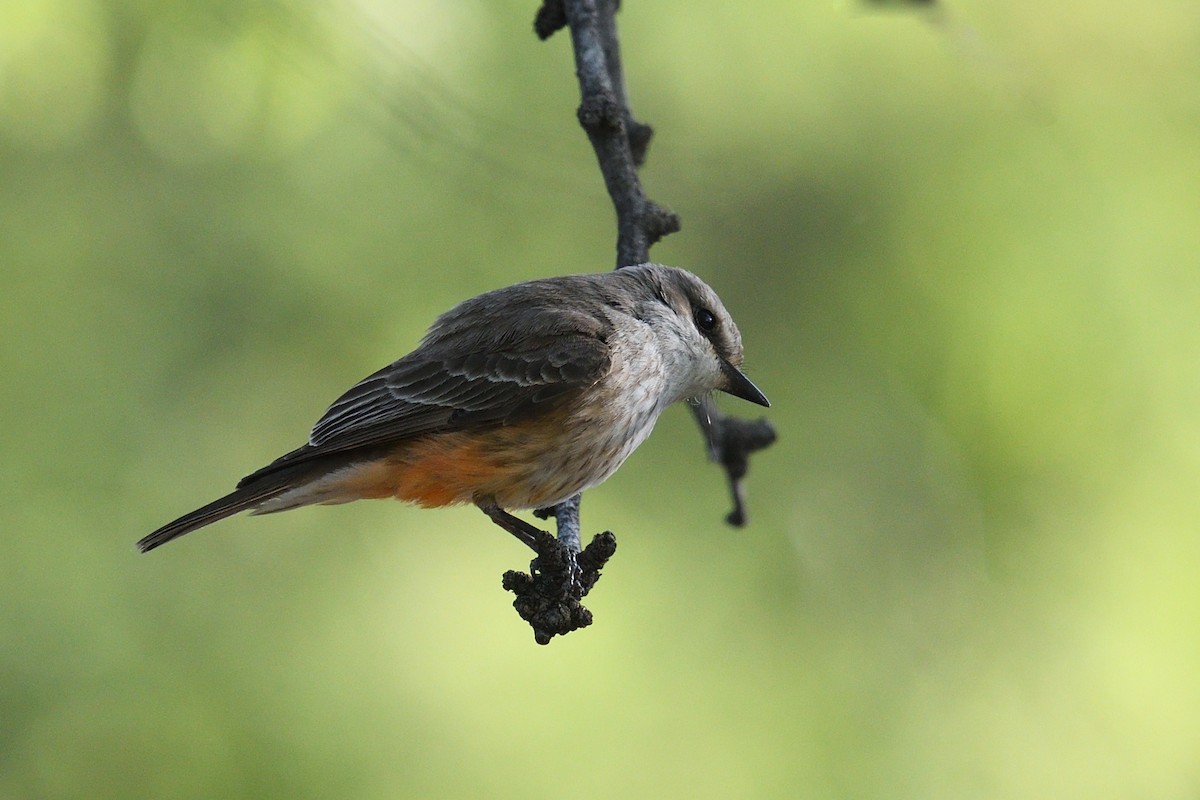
962	249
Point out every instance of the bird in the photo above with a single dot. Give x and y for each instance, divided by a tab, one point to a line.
519	398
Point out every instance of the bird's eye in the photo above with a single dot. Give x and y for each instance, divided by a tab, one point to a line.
706	321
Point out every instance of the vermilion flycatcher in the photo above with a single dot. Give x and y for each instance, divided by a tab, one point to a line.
519	398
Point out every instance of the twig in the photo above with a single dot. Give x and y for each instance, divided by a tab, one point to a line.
558	577
605	116
731	440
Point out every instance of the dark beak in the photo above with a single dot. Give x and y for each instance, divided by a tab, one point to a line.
739	385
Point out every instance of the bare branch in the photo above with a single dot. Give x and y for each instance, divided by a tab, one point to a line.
550	594
731	440
619	140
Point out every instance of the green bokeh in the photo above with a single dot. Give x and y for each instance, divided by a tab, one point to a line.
962	249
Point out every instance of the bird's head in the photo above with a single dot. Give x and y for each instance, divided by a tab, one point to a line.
699	340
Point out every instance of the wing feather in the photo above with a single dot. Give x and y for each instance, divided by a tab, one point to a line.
419	394
474	367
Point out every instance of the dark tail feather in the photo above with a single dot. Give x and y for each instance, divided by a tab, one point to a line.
239	500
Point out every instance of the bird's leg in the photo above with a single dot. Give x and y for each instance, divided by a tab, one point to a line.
534	538
585	564
566	514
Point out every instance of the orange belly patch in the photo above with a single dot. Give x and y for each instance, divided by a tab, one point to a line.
429	472
451	468
458	467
